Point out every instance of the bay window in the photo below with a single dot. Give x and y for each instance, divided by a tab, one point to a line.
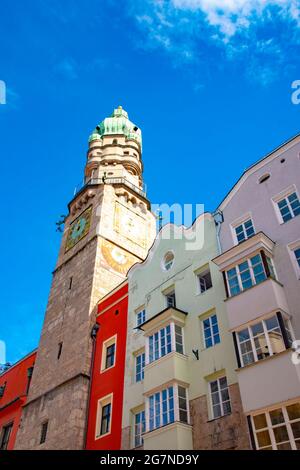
250	272
263	339
164	341
277	429
167	406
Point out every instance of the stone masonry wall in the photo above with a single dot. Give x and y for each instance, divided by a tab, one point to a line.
227	432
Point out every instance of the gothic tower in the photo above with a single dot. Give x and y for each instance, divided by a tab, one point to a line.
109	227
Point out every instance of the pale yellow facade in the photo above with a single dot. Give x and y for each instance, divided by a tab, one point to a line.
197	365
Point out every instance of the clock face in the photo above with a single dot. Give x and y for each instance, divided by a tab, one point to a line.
79	228
119	260
130	225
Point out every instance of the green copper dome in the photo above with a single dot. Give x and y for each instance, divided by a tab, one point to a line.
118	123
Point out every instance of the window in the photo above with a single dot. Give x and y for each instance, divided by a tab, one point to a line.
139	367
164	341
204	280
160	343
278	429
244	231
6	431
140	317
171	299
211	331
139	428
182	405
167	406
245	275
220	399
178	339
261	340
297	256
44	431
109	354
104	416
168	261
105	419
270	267
289	206
294	252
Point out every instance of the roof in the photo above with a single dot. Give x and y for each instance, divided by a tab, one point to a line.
273	154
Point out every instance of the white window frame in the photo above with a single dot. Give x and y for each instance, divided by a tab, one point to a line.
199	276
282	195
173	342
210	326
169	294
241	221
102	402
266	336
175	386
217	379
291	248
141	311
138	354
236	266
135	427
109	342
270	427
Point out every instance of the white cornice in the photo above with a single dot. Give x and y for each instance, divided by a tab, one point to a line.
260	241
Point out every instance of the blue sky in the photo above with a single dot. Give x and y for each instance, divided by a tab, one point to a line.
208	81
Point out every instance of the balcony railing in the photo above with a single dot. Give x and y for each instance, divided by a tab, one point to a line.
121	180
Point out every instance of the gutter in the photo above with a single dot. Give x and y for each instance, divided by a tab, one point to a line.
219	219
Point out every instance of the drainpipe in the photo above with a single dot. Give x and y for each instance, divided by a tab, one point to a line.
94	337
219	219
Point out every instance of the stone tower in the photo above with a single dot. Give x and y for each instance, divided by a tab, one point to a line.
109	227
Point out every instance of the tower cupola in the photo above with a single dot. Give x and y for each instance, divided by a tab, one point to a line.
115	150
117	124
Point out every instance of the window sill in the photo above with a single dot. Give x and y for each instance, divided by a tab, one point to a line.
165	426
198	294
164	358
285	351
219	417
102	435
252	287
105	370
284	223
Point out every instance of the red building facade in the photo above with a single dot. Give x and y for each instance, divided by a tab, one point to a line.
106	392
14	386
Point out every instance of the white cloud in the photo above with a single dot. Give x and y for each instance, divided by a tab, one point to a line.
238	29
234	15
